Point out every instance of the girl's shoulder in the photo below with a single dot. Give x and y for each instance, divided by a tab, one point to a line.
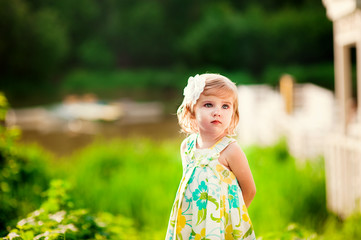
232	147
233	152
224	143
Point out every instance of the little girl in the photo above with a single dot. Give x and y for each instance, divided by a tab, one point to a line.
217	184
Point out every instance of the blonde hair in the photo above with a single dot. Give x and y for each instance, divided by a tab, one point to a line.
215	84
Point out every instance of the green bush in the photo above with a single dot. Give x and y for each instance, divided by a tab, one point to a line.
57	220
319	74
140	84
85	80
23	174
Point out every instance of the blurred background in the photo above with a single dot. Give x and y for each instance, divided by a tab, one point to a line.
89	136
123	52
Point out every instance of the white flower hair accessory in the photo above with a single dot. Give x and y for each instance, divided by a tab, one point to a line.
194	89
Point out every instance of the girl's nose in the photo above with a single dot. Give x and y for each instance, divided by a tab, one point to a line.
216	112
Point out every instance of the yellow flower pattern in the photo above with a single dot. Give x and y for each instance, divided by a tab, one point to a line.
225	175
229	231
201	235
181	221
245	215
223	206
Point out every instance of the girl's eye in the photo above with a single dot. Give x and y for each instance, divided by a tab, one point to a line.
208	105
225	106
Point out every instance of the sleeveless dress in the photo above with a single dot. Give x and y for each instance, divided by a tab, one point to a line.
209	202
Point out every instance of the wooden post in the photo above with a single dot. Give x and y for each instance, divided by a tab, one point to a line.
343	81
287	90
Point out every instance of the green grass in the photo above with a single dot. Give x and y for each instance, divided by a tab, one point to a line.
287	192
136	178
139	178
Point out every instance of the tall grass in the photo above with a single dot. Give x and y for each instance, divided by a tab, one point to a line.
135	178
287	191
139	178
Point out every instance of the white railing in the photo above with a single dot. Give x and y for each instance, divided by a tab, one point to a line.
263	119
343	174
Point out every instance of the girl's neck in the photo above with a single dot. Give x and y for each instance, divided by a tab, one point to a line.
207	140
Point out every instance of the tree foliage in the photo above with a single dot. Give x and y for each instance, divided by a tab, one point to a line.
40	38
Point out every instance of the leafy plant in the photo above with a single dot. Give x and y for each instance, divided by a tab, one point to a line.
56	219
23	174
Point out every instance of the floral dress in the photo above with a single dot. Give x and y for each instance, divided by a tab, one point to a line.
209	202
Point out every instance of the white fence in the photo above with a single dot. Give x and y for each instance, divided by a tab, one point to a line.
263	119
261	111
343	174
311	122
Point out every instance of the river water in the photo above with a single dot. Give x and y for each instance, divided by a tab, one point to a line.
63	143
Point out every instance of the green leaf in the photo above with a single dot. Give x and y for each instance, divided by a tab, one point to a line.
179	236
28	235
201	216
226	217
213	200
215	219
237	233
249	232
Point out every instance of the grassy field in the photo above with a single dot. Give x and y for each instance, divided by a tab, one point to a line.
129	186
139	179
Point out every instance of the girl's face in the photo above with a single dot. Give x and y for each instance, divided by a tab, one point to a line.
213	114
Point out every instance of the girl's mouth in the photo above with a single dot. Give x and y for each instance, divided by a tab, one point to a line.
216	122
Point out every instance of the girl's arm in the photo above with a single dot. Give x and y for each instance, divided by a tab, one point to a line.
238	164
